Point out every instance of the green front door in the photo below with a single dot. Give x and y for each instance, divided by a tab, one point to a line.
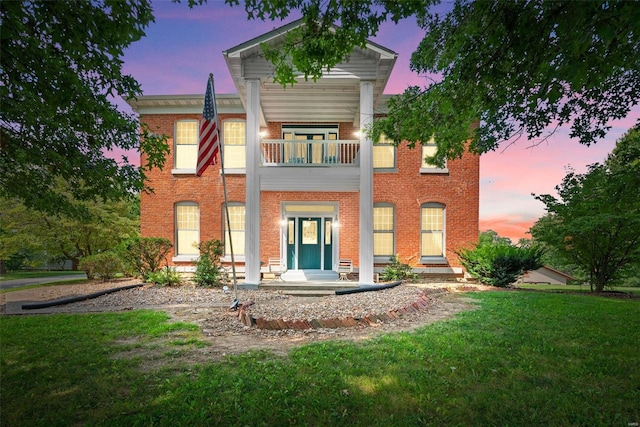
309	243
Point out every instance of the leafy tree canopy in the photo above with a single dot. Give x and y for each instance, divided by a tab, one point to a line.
515	67
48	236
60	67
595	220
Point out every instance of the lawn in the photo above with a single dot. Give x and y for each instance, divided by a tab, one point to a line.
575	288
522	358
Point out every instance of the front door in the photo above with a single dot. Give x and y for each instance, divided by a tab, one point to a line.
309	243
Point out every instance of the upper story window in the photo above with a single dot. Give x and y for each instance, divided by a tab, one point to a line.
383	231
235	145
429	149
185	145
384	154
432	232
187	225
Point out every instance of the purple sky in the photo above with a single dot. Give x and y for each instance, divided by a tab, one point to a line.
184	45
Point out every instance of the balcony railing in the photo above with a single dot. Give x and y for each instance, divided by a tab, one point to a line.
286	152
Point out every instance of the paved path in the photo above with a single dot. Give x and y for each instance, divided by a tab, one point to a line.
16	283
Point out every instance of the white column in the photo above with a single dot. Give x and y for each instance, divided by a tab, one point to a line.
252	202
366	185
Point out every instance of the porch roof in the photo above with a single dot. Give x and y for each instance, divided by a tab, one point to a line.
333	98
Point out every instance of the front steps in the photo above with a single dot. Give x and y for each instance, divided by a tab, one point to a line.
309	276
307	289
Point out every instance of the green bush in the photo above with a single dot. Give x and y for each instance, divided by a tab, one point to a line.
208	267
104	265
168	276
144	255
397	270
500	264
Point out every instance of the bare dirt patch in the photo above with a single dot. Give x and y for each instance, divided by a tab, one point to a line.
222	330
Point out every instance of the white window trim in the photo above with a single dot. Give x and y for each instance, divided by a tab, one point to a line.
186	257
183	171
227	257
234	171
434	169
385	259
435	259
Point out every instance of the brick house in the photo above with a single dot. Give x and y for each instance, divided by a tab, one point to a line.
304	185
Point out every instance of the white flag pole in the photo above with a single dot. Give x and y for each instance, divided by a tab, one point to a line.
226	202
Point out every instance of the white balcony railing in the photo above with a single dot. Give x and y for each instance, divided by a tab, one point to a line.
286	152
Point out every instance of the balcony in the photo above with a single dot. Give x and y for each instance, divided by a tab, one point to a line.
309	153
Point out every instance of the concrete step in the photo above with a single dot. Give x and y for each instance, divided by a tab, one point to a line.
308	289
309	275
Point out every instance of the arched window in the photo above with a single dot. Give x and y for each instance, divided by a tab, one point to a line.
237	221
383	230
432	231
187	226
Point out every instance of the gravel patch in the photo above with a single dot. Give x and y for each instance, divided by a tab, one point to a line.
227	334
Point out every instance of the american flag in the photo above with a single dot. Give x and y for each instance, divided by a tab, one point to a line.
209	141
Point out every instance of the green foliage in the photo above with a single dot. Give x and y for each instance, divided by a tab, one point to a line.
168	276
144	255
208	267
60	66
104	265
500	264
499	365
513	67
397	270
95	227
595	222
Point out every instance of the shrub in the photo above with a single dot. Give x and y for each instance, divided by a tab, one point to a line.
500	264
168	276
104	265
397	270
208	268
144	255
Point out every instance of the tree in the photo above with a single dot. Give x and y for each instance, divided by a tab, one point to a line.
490	237
595	222
101	228
60	67
495	261
514	67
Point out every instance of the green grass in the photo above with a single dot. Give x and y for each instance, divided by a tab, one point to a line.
523	358
574	288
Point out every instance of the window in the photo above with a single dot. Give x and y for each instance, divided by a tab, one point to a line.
234	145
186	144
187	228
383	230
432	218
236	219
429	150
384	154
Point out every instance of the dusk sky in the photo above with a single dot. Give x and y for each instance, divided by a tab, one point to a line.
184	45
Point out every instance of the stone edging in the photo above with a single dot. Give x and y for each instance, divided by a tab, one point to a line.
422	302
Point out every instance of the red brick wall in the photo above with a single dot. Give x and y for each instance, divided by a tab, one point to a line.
407	189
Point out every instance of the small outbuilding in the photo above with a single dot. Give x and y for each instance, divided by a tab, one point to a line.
546	274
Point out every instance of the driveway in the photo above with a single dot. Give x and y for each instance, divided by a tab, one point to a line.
16	283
